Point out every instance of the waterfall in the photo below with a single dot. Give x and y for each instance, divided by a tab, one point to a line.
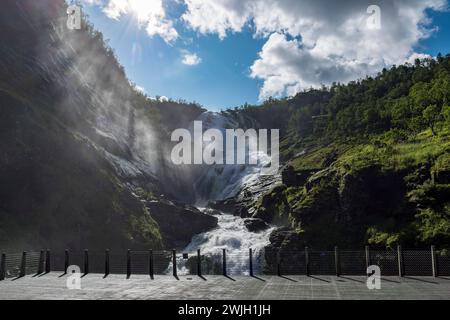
220	182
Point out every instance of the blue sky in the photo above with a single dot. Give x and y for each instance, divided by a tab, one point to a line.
236	55
439	41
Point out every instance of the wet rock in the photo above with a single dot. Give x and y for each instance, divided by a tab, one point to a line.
255	225
230	206
285	237
242	211
274	207
111	145
287	246
226	206
178	224
212	212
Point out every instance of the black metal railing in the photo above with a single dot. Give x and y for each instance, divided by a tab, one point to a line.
395	262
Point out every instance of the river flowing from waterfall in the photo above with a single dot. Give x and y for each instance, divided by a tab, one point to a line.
231	234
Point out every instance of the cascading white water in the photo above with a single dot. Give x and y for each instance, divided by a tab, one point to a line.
221	182
232	235
217	182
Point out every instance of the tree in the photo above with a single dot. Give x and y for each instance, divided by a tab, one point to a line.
421	95
431	116
446	113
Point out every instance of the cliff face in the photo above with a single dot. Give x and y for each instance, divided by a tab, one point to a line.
75	140
366	196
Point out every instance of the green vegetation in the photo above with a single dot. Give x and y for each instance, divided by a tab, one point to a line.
376	153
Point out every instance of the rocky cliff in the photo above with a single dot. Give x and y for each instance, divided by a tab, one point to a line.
362	198
80	148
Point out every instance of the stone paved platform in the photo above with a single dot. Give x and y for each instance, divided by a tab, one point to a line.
53	286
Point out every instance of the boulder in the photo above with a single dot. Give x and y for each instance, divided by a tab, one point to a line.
255	225
287	245
212	212
285	238
226	206
274	207
178	224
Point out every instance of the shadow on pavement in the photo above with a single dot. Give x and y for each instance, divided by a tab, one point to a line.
230	278
350	279
287	278
317	278
258	278
421	280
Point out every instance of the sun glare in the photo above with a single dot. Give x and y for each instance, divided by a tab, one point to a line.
144	10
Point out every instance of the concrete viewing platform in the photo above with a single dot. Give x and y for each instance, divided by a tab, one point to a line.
94	286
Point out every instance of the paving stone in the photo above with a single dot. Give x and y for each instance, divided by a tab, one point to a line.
53	287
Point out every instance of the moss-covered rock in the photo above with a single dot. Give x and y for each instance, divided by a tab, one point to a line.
292	178
273	207
361	199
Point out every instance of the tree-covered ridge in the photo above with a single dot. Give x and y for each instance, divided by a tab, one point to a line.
408	98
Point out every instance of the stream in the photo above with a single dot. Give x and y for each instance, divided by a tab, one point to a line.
232	235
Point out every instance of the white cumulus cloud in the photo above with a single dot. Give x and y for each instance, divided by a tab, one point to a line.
315	42
150	15
190	59
93	2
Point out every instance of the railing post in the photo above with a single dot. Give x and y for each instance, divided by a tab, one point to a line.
174	263
47	262
41	262
150	263
86	261
400	261
337	261
199	263
278	264
66	260
307	261
367	249
23	265
250	254
128	263
3	267
434	262
224	262
106	262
